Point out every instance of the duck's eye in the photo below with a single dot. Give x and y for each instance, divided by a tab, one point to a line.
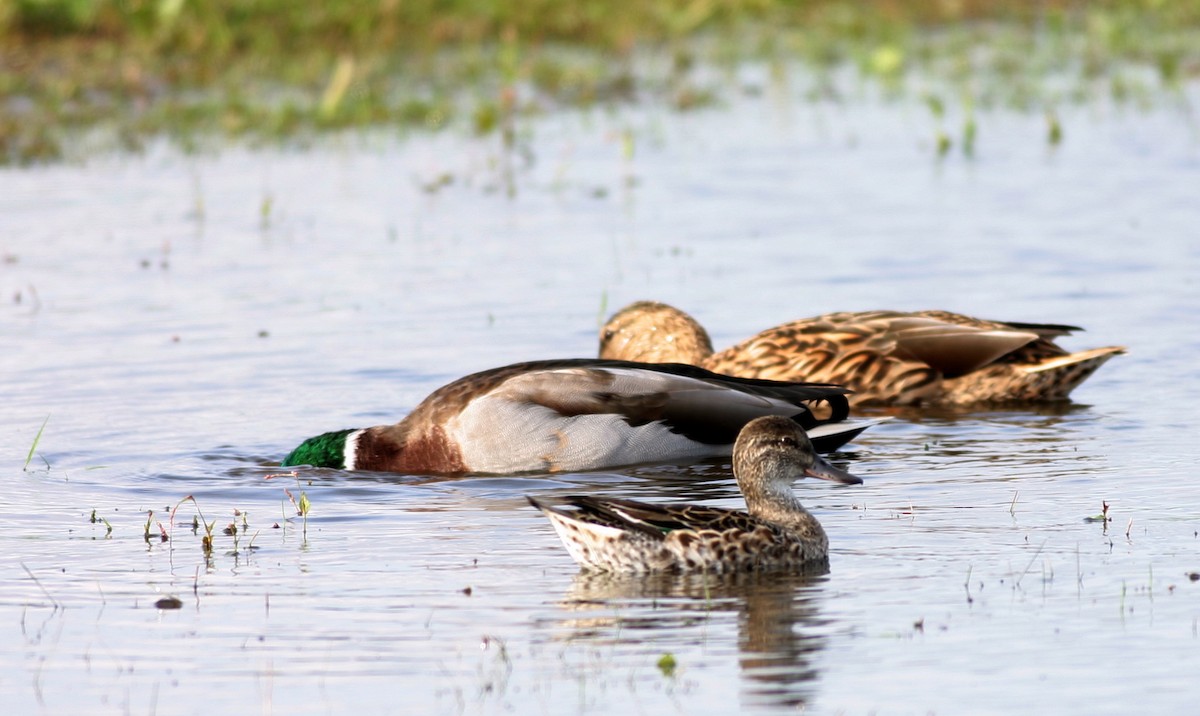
788	441
608	335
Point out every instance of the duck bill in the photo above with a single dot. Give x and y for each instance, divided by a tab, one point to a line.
825	471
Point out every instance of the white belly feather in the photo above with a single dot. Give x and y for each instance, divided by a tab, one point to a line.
498	435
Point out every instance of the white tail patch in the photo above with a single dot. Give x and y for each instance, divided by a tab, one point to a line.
582	539
566	527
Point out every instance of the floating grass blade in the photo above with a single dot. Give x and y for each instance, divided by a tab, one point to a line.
39	584
943	143
1054	130
1031	560
603	308
331	99
32	448
970	129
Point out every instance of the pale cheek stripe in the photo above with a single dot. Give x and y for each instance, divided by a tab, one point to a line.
349	452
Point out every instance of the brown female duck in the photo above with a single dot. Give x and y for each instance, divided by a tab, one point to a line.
770	454
885	357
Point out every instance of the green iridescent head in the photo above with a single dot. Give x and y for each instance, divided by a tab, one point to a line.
328	450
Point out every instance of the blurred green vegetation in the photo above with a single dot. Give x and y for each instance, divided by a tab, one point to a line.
81	73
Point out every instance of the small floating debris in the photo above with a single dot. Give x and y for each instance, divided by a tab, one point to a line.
1102	517
169	603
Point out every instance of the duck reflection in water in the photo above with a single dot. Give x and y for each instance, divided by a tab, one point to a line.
777	615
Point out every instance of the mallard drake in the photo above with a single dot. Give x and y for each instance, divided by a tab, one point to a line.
582	414
885	357
771	453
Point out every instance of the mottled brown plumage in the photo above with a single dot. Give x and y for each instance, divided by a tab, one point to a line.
885	357
776	532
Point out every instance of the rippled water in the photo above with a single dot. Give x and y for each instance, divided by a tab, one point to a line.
180	323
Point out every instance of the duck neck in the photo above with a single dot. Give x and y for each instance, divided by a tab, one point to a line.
779	507
776	503
408	448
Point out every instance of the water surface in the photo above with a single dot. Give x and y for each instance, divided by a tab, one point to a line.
183	321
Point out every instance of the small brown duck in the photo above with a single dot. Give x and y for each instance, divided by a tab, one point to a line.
771	453
885	357
574	415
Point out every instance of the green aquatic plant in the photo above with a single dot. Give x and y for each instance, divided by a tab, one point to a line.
970	129
1102	517
264	211
162	531
237	532
667	664
602	313
206	542
302	504
32	448
943	143
107	525
1054	132
280	71
886	62
335	90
